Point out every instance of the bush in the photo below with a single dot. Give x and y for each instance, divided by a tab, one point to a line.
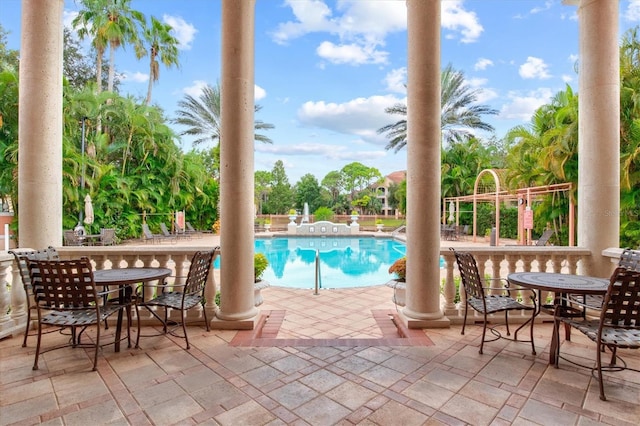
260	264
323	213
399	267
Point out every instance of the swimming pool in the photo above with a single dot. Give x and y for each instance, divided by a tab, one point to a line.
344	262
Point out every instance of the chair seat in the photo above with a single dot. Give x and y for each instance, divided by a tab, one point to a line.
628	338
497	303
79	317
593	301
173	300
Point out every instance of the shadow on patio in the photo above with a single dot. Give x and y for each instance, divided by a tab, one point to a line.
327	382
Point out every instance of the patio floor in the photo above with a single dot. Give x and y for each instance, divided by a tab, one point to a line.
332	358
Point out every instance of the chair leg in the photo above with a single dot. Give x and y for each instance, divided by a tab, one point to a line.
138	322
97	344
599	366
464	322
533	318
484	332
28	326
35	362
184	327
506	321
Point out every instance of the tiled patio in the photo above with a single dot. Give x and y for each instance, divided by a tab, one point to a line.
356	370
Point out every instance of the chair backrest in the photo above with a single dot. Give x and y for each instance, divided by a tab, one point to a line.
107	236
469	274
199	271
179	229
64	284
23	256
164	230
147	232
544	238
630	259
622	303
190	228
71	238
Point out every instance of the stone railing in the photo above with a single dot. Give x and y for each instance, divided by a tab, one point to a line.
13	302
492	261
498	262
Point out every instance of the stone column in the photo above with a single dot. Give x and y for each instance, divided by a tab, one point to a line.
599	132
237	308
423	166
40	124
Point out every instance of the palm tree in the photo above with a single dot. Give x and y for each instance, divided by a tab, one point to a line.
458	117
108	22
163	46
201	116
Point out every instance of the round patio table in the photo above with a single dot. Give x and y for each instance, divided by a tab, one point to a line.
560	284
124	277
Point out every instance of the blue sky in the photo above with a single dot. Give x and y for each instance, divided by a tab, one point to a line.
327	69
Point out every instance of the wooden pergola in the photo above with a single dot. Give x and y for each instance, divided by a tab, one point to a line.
524	197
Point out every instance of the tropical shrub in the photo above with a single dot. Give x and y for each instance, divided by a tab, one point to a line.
399	267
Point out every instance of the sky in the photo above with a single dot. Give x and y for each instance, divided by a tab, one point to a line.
325	70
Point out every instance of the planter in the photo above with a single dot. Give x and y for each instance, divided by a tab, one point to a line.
354	218
267	227
257	287
292	218
379	227
399	291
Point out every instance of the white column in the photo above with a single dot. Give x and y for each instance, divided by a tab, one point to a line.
40	124
599	132
423	165
237	308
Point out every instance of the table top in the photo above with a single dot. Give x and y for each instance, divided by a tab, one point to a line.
561	283
129	275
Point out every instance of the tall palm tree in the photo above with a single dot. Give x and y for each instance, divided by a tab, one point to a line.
110	23
201	116
162	45
459	114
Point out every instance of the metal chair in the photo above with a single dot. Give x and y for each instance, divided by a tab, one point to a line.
180	297
476	298
618	325
67	296
22	257
71	238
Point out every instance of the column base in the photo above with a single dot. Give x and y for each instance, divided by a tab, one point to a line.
441	322
244	324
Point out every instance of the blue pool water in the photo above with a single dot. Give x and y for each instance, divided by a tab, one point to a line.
344	262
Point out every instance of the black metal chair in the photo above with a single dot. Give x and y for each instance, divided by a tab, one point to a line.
22	257
180	297
618	325
67	296
498	300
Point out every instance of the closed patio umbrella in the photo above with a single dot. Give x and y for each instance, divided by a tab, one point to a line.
88	210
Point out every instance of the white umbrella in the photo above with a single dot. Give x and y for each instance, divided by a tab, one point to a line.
88	210
452	209
305	213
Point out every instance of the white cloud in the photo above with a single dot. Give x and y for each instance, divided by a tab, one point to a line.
567	78
259	93
327	151
534	68
135	77
547	6
456	18
522	106
68	17
633	11
182	30
484	94
396	80
482	64
351	54
361	117
361	27
195	89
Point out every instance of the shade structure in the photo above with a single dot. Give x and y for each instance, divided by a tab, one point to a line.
88	210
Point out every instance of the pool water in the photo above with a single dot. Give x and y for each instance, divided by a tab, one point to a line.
344	262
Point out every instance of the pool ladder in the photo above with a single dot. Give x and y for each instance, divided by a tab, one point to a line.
318	278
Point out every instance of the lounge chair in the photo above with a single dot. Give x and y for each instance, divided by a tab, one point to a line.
149	236
192	231
168	235
181	232
544	238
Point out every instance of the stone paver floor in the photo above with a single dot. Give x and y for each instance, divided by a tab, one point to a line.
319	360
